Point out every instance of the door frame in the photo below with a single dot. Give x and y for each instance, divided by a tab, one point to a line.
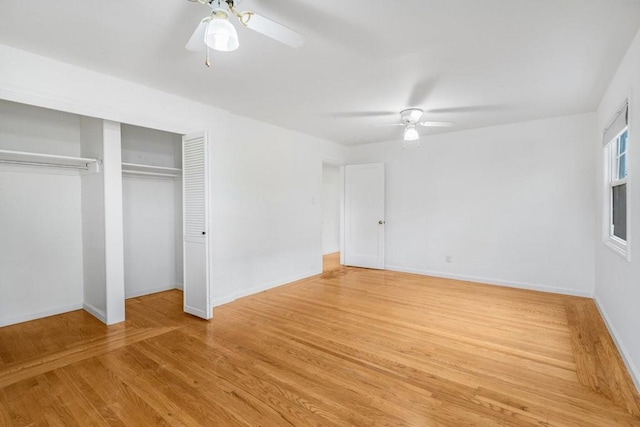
340	164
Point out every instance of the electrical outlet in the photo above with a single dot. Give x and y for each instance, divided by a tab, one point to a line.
448	258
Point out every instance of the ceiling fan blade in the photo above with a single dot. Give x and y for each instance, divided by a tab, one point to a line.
421	91
356	114
273	30
196	42
437	124
470	109
389	125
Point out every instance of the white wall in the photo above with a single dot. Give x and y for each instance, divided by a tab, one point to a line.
152	213
273	204
177	202
617	282
102	229
266	181
28	128
151	147
40	217
114	239
40	247
149	234
331	187
510	204
93	238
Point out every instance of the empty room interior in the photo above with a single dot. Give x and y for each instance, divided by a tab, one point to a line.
298	212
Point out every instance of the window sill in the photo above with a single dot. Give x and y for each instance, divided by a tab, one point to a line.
618	247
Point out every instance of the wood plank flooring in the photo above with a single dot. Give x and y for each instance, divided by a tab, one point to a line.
348	347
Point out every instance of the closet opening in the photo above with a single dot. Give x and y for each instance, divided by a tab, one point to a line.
152	210
91	213
41	248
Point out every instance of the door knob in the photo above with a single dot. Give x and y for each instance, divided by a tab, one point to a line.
381	222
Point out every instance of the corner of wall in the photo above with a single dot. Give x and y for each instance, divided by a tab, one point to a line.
628	361
95	312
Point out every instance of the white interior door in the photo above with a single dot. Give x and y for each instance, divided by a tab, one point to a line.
364	215
195	186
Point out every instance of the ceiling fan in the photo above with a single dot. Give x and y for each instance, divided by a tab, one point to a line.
410	118
216	32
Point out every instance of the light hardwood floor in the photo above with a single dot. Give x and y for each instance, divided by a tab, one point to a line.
349	347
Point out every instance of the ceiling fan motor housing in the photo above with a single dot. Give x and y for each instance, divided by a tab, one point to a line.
411	116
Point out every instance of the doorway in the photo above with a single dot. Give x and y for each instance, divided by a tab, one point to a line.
331	191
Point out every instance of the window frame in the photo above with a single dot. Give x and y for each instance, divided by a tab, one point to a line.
611	170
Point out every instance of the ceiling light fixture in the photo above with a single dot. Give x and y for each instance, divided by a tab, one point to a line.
410	133
221	35
217	33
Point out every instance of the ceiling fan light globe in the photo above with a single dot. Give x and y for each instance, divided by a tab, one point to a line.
411	134
221	35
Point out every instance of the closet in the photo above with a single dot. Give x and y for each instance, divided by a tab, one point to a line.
90	213
152	210
41	250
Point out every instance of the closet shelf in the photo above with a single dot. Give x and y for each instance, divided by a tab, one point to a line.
47	160
159	171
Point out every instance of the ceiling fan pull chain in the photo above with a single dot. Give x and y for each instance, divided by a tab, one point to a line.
206	61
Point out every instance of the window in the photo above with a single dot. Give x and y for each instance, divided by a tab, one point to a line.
616	138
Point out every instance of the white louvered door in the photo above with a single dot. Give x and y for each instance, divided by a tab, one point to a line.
195	187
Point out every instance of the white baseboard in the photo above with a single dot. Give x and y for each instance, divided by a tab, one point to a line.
264	287
95	312
331	251
222	300
148	292
40	314
275	284
631	367
495	282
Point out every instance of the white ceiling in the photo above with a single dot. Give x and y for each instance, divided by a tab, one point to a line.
475	62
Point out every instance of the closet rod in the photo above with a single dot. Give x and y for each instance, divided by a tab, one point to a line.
165	175
49	165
